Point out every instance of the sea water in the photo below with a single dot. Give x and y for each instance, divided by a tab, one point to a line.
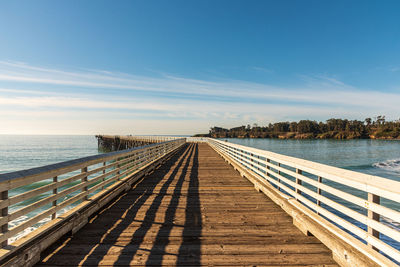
20	152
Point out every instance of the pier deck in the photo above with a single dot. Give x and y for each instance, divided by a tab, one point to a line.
193	210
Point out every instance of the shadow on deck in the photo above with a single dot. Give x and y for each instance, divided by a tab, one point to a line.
193	210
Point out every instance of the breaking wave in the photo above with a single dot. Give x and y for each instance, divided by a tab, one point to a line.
28	230
392	165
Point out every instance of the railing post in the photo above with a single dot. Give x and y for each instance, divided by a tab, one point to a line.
298	181
84	180
319	192
4	213
374	216
55	191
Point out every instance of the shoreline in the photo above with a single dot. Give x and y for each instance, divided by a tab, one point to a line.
282	137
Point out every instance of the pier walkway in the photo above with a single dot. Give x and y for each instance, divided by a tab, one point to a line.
190	201
194	210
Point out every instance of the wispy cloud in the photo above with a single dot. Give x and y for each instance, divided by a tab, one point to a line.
172	97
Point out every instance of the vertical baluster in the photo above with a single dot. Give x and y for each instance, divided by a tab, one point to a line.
132	161
144	156
118	166
84	180
241	158
298	181
374	216
319	192
55	192
149	155
268	167
135	160
279	180
4	213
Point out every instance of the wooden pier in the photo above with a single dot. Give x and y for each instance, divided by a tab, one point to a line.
194	210
195	202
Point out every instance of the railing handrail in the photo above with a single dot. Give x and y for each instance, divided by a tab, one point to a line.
142	137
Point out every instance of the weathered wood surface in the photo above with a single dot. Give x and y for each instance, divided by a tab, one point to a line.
194	210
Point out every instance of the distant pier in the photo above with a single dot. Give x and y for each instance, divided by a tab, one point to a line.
116	142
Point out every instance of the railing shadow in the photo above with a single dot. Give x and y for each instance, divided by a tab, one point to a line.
189	250
91	252
128	252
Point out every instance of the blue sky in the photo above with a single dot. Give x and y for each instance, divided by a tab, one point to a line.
180	67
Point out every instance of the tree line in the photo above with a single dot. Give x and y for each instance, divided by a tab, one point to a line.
377	128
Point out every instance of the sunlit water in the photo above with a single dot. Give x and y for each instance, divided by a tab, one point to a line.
25	151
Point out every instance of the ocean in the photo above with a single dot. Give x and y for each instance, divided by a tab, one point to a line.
375	157
19	152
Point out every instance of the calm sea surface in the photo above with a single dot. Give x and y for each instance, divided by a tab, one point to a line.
376	157
28	151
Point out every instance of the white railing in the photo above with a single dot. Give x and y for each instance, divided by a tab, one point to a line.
196	139
366	206
149	138
45	193
142	138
